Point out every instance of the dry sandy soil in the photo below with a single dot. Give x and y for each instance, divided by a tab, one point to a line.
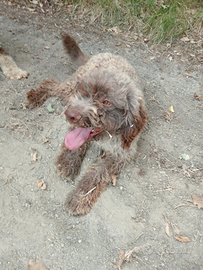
152	196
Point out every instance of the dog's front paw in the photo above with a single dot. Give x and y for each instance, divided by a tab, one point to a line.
68	163
78	204
36	98
32	98
87	191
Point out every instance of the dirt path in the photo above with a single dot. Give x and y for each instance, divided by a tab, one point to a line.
155	190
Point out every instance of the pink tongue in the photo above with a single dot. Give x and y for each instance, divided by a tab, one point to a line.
77	137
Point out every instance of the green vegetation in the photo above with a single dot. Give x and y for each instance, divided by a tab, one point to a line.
159	19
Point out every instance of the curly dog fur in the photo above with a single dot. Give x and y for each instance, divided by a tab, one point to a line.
105	103
9	67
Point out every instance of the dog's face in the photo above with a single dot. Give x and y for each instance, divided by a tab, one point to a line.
105	103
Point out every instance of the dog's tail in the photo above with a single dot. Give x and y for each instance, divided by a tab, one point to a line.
73	50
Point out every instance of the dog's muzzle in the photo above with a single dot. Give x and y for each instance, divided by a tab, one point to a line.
73	116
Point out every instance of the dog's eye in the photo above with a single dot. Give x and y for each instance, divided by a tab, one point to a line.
107	103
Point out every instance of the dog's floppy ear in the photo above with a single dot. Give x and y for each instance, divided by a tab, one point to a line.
135	121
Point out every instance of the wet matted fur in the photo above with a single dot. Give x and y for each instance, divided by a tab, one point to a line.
9	67
105	103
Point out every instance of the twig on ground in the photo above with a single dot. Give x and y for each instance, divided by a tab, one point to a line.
180	205
89	191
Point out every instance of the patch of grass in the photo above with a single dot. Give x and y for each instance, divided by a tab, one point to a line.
159	19
171	19
168	21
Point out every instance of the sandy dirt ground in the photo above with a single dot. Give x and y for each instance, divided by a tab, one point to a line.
149	214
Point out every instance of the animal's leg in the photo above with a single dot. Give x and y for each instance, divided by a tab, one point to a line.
9	67
69	162
82	199
43	91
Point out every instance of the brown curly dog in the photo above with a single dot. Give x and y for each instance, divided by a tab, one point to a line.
105	103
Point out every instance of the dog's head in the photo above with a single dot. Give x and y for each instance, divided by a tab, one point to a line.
106	102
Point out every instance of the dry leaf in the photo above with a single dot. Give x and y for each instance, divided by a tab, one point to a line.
121	259
182	238
167	229
192	41
45	140
197	97
34	156
114	179
171	109
41	184
23	106
197	200
114	29
176	230
185	39
37	266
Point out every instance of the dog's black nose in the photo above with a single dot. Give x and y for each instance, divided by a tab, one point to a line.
72	115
